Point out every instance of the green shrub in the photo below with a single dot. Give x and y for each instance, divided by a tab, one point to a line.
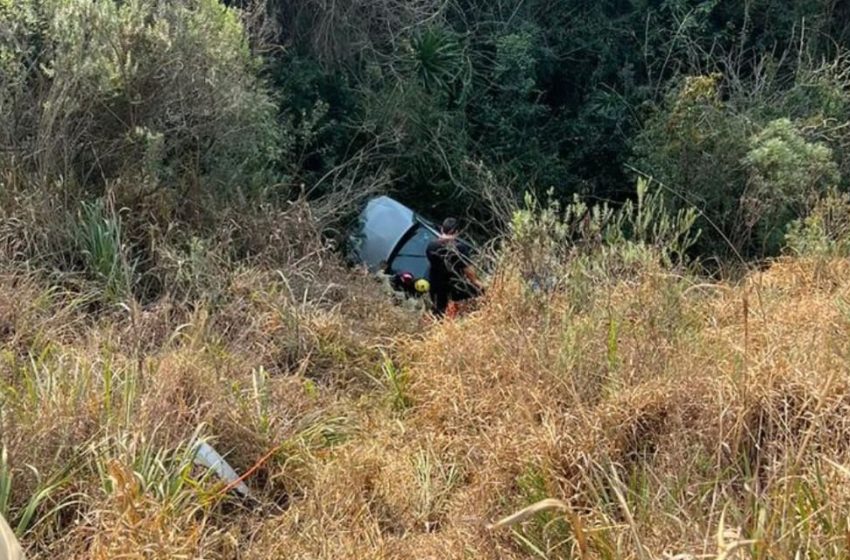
786	174
100	242
163	94
825	231
547	242
694	144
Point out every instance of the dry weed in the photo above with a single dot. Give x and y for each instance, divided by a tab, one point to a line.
669	419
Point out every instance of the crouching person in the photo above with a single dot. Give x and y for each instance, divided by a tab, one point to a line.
453	277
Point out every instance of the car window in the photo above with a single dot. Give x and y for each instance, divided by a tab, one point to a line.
411	256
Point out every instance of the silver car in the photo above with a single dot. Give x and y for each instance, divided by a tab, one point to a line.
391	237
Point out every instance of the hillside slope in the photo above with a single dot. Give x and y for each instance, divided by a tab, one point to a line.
671	417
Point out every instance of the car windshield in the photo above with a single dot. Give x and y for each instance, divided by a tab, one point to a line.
411	256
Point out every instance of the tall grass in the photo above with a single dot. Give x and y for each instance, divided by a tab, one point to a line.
99	238
32	512
100	414
604	399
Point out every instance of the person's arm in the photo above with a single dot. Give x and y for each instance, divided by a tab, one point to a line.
430	253
470	274
469	270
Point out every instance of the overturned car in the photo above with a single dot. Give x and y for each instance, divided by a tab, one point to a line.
391	238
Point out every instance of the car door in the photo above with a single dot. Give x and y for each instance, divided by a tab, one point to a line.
410	256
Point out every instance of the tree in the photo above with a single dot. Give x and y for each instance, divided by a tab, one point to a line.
786	175
147	94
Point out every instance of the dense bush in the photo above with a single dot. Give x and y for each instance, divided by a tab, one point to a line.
751	156
142	96
177	108
824	231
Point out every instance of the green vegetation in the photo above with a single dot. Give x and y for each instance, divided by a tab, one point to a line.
177	109
176	177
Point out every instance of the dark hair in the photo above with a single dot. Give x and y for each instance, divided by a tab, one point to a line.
450	226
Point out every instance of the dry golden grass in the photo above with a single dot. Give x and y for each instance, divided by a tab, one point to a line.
670	418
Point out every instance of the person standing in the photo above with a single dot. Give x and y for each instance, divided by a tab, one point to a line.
452	275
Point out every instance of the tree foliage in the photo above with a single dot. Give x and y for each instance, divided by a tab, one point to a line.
161	94
200	103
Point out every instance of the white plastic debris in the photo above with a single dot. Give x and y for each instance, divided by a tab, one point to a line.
208	457
10	549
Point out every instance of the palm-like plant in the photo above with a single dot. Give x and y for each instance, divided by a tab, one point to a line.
438	58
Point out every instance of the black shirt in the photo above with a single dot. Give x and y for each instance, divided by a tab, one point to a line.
449	259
